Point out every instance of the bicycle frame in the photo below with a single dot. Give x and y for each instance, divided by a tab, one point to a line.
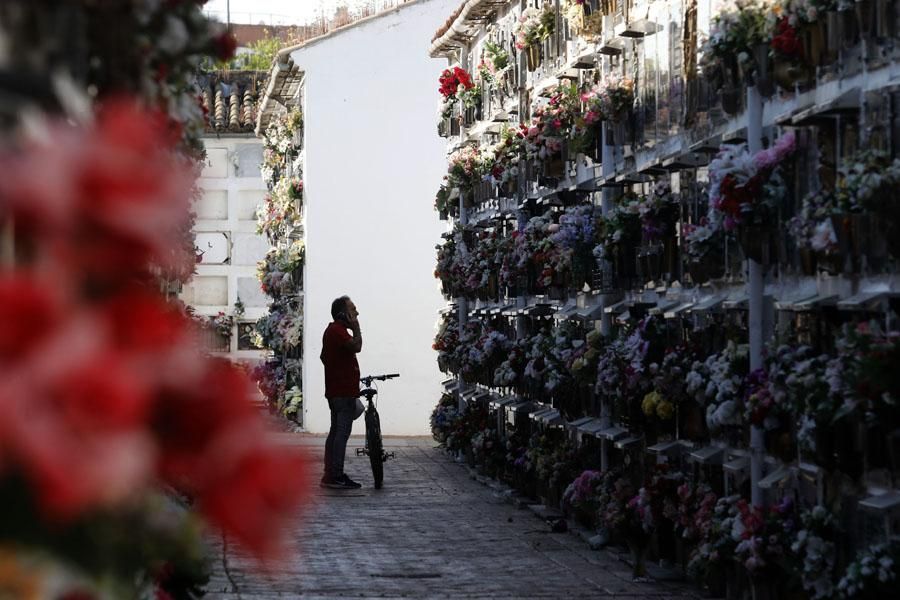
374	448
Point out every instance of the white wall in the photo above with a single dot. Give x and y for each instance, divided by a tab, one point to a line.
232	189
373	164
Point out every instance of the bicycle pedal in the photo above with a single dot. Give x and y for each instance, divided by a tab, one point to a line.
388	455
361	452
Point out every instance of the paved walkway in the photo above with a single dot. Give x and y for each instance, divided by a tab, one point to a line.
431	532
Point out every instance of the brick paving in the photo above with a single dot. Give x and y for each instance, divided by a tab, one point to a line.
432	532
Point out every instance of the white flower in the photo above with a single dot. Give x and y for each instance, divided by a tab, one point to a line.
824	237
175	36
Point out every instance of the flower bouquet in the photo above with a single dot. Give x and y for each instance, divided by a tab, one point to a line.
463	429
281	141
718	384
223	325
282	329
672	406
511	371
582	365
466	169
502	161
787	50
735	34
281	209
869	182
540	255
280	272
446	341
532	28
815	551
582	21
659	213
746	191
613	501
851	220
813	229
582	497
456	85
705	251
764	538
495	63
720	530
691	510
620	234
872	575
577	235
450	265
551	126
443	416
871	380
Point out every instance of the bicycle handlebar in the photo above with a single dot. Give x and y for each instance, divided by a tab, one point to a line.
368	379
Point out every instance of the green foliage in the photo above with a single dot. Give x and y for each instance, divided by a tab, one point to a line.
259	57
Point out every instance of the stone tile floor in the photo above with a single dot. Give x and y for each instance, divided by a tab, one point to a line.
431	532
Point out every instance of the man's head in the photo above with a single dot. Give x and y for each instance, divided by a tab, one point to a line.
343	309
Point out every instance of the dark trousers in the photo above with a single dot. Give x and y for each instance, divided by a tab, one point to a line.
342	410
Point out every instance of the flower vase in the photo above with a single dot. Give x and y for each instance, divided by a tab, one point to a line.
554	168
763	588
884	18
615	133
833	37
638	549
731	100
780	444
813	36
698	271
733	588
650	257
807	262
864	14
755	243
691	421
763	77
842	225
492	286
848	447
848	25
715	583
787	74
533	56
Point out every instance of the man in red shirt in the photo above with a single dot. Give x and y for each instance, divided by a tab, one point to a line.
339	351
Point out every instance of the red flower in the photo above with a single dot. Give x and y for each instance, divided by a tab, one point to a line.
451	80
224	45
256	493
31	312
73	420
104	203
463	77
785	41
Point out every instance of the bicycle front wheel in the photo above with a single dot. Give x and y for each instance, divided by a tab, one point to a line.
376	451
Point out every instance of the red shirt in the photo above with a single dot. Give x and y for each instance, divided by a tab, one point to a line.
341	368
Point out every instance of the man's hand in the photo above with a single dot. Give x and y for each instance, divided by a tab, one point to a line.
355	344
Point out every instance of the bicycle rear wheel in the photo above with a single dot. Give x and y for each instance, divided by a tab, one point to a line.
373	443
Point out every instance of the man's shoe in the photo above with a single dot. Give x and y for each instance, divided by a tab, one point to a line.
332	483
349	483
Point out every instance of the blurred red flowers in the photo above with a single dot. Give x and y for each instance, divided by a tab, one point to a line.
104	393
786	41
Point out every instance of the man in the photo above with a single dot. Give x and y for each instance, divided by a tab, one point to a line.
339	351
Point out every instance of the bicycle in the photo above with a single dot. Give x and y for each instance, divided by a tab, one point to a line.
374	448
